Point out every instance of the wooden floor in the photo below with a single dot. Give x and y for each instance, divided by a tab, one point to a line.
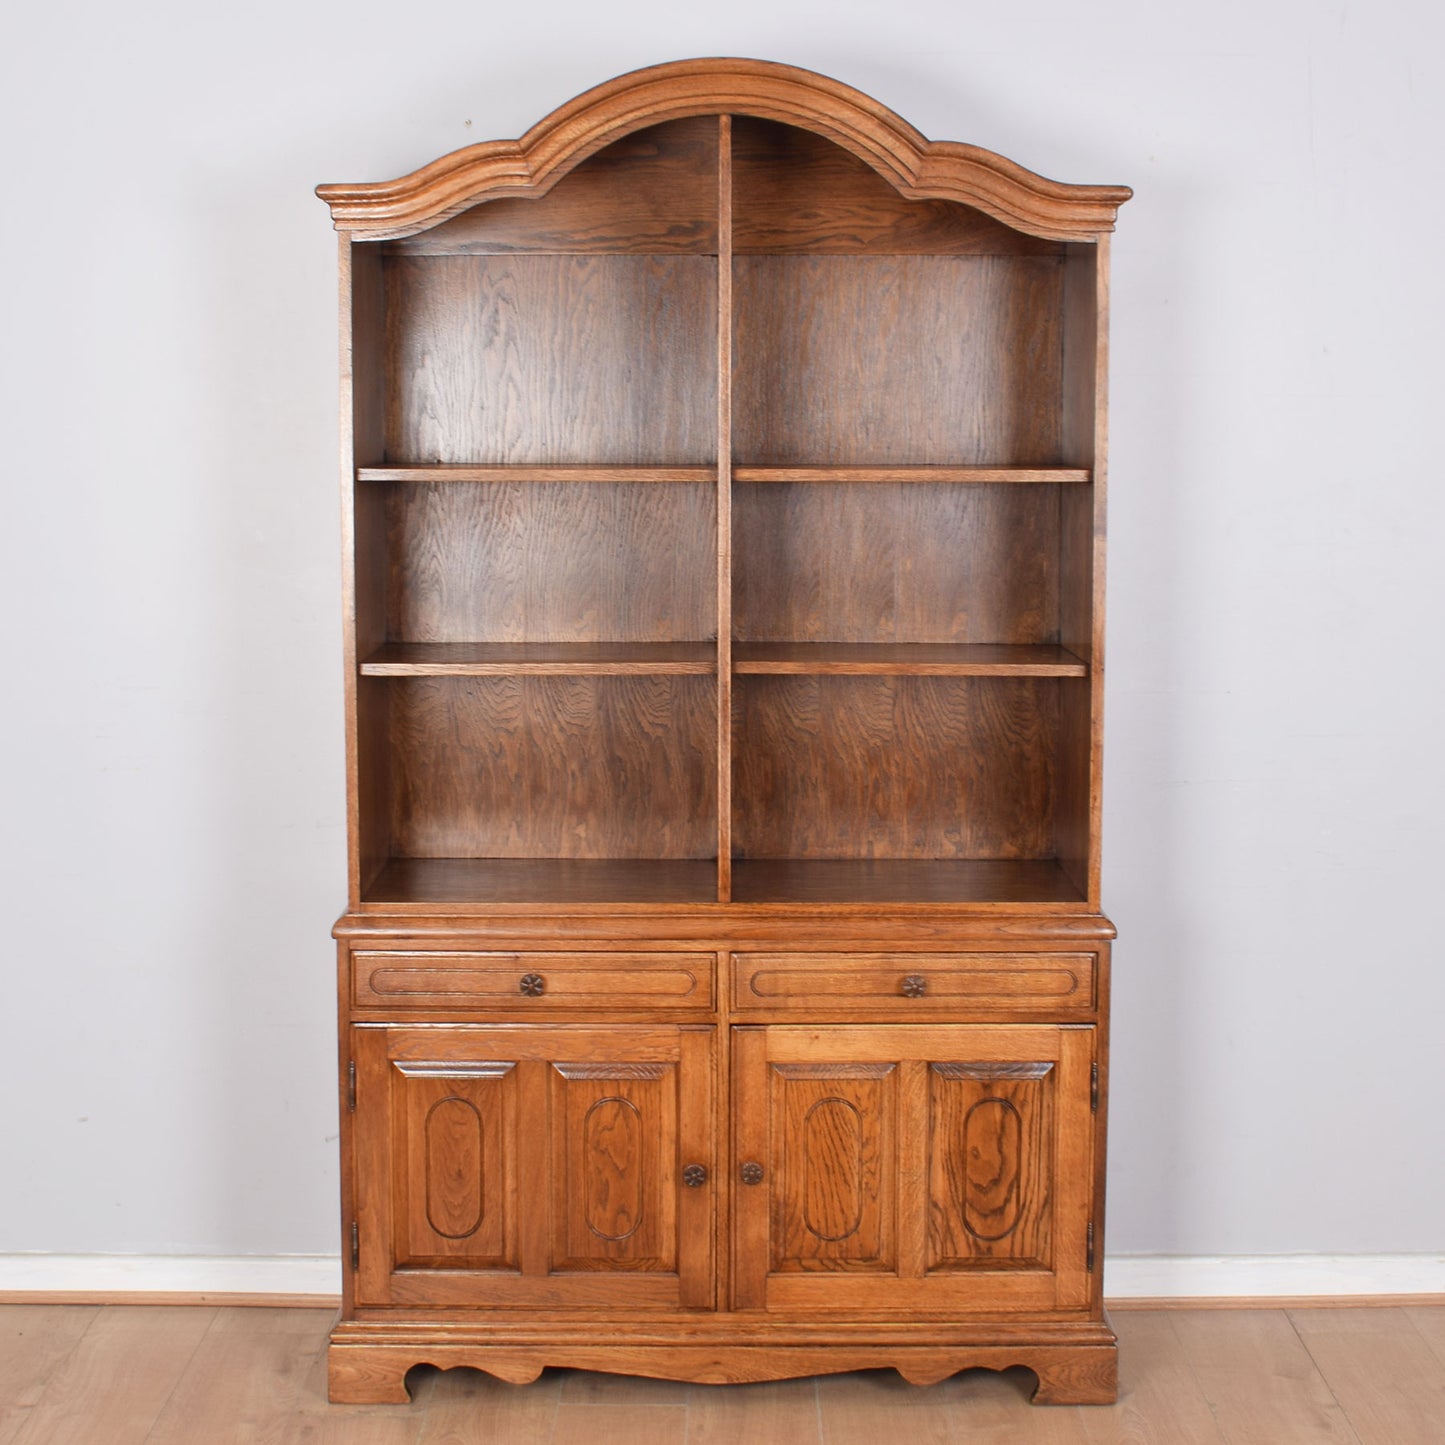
188	1375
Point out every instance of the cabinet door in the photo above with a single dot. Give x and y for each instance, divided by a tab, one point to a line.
534	1165
913	1168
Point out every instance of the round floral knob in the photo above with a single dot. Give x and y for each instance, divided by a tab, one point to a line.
694	1176
915	986
532	984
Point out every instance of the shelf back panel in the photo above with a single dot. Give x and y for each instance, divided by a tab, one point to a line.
550	562
553	767
652	192
550	359
896	562
795	192
894	767
882	360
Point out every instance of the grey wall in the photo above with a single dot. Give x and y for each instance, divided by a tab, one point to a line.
171	728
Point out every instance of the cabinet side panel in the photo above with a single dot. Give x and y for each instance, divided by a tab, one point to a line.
550	359
1081	563
364	525
897	360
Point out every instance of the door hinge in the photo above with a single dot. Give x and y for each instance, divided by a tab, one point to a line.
351	1086
1088	1252
1093	1088
356	1244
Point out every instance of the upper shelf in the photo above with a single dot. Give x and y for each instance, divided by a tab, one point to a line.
446	472
917	659
441	472
916	167
539	659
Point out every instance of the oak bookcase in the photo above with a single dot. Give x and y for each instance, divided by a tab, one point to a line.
723	986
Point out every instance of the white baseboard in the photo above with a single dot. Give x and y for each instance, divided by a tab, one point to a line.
249	1274
1136	1276
1265	1276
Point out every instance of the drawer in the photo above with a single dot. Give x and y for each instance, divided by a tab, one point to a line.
913	985
531	982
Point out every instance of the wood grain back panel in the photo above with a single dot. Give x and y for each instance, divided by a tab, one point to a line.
895	562
894	767
651	192
896	360
553	767
550	359
550	561
797	192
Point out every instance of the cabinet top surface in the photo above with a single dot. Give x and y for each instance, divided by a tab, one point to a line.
917	167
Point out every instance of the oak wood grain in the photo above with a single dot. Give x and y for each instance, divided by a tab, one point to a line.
895	767
834	881
549	359
650	192
916	167
917	659
975	475
893	562
443	472
897	360
801	194
550	562
550	882
825	986
540	659
553	767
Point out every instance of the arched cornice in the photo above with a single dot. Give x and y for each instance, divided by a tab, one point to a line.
917	167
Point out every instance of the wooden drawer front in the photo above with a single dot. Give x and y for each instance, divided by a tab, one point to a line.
913	985
532	982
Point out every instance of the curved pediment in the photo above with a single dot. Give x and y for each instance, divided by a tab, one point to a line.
918	168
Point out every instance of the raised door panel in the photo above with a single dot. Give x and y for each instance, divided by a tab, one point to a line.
833	1198
533	1166
923	1167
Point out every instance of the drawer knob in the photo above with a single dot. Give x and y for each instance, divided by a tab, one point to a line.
694	1176
532	984
914	986
751	1173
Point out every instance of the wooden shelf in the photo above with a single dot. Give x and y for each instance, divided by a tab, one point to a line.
917	659
911	474
545	659
571	473
561	881
889	880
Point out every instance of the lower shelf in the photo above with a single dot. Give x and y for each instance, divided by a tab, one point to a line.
462	882
892	880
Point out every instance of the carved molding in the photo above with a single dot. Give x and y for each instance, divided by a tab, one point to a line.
915	166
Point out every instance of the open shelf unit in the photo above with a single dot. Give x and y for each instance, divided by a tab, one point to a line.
724	507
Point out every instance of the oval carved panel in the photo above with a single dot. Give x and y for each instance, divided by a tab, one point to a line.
833	1170
993	1151
612	1168
455	1188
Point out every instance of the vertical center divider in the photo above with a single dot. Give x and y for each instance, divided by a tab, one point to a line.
725	509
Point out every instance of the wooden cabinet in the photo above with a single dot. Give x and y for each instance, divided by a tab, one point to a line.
913	1167
534	1164
723	981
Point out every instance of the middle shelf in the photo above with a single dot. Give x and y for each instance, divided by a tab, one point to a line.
631	659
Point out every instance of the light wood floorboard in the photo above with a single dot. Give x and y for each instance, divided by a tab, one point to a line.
81	1375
